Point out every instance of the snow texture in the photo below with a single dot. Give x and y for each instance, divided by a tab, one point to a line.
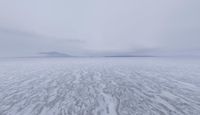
100	86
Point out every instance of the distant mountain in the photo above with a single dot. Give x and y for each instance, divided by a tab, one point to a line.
54	54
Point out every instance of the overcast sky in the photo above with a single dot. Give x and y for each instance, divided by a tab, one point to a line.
92	27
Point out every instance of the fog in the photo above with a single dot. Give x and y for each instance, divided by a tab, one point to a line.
99	27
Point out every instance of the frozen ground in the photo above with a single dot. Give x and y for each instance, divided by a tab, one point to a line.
100	86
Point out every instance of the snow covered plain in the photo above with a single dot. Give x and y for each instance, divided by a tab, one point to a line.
100	86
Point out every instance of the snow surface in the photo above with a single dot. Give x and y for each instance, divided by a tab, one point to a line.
100	86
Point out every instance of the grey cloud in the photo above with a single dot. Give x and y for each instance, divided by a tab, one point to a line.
19	43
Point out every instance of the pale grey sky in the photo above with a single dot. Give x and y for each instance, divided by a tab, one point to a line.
83	27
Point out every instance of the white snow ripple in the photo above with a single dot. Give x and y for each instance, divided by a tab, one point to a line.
110	86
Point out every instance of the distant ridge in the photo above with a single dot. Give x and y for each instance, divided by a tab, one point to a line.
131	56
54	54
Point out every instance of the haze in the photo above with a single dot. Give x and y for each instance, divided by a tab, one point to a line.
99	27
